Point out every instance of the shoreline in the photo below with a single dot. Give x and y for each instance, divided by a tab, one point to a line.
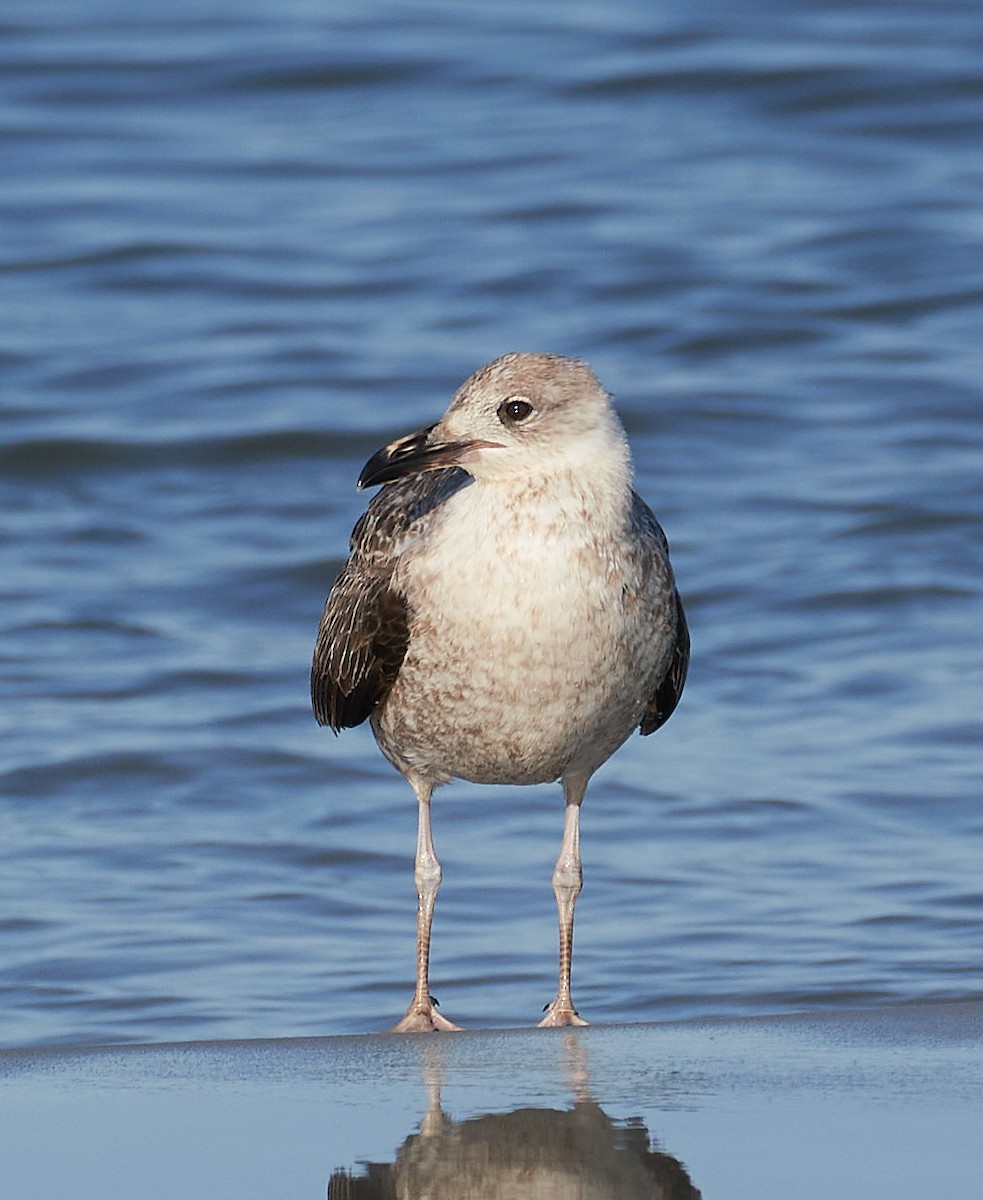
814	1103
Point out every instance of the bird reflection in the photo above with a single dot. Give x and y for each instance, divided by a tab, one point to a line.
527	1154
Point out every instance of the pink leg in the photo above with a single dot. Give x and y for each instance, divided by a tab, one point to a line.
567	882
422	1016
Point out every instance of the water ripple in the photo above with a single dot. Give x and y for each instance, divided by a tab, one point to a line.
244	249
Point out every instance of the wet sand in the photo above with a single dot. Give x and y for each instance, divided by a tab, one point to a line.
866	1104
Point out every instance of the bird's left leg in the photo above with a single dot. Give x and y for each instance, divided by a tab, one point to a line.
567	882
422	1016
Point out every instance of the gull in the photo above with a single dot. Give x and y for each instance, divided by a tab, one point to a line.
507	615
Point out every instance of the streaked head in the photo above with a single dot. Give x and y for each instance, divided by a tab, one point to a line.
521	415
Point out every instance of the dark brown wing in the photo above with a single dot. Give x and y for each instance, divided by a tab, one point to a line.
360	646
365	626
666	697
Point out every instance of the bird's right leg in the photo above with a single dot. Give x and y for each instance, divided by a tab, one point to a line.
422	1016
567	882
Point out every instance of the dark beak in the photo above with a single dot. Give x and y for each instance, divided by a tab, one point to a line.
412	455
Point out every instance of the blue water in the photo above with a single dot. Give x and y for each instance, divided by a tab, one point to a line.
243	245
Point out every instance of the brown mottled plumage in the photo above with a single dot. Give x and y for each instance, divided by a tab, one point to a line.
507	614
364	629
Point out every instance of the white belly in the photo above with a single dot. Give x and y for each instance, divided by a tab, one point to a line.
533	645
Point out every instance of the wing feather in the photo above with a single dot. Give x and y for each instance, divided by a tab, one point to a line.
669	687
666	696
366	624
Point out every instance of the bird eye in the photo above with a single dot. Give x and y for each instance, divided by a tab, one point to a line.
514	410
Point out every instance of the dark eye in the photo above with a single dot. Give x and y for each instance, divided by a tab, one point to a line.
514	410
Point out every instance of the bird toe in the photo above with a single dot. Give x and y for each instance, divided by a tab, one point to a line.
424	1019
559	1016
